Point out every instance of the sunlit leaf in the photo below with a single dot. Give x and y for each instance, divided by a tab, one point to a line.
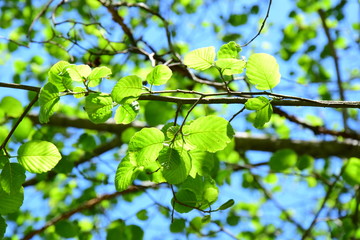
230	66
38	156
48	100
229	50
125	174
175	165
159	75
129	87
200	59
98	107
78	73
146	145
58	76
202	163
97	74
210	133
262	71
227	204
126	113
263	110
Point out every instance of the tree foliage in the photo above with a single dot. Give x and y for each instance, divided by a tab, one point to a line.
218	119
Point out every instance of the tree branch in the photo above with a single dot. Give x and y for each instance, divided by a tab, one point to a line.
87	205
318	149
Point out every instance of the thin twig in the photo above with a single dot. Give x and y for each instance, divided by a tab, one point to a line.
262	25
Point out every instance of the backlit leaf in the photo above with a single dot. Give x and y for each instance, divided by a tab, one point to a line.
210	133
263	110
12	202
126	113
146	145
38	156
175	165
262	71
230	66
282	160
159	75
48	100
78	73
229	50
97	74
98	107
58	76
129	87
200	59
11	106
351	172
125	174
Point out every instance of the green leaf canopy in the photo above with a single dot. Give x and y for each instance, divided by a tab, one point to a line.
97	74
262	70
38	156
200	59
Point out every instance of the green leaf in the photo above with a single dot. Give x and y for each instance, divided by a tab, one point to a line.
146	145
142	215
125	174
58	76
98	106
126	89
48	100
79	73
157	113
202	163
10	203
351	172
229	50
38	156
24	129
210	133
305	161
282	160
177	225
11	107
263	110
3	226
185	201
200	59
126	113
79	92
227	204
97	74
175	165
230	66
159	75
12	177
66	229
3	159
262	71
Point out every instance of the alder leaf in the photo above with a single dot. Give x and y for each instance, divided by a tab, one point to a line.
125	174
351	172
58	76
12	177
127	89
229	50
184	198
282	160
176	165
126	113
98	106
159	75
210	133
48	100
262	71
200	59
230	66
263	110
10	203
146	145
78	73
38	156
97	74
3	226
